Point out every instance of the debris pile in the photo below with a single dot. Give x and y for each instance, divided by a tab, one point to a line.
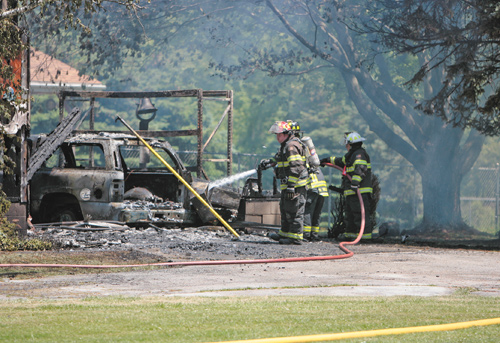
207	242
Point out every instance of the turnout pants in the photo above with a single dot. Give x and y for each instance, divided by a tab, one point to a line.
353	214
292	214
314	206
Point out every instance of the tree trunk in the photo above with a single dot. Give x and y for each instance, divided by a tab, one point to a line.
441	193
439	153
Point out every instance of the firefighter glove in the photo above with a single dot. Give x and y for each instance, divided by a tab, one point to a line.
264	164
324	161
289	193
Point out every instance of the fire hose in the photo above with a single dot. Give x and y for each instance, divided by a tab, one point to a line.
363	214
348	253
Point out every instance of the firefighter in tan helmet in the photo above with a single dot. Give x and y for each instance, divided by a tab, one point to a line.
356	164
291	170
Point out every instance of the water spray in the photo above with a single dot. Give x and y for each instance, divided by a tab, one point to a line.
230	179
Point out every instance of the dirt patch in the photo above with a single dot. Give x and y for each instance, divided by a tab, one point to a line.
382	269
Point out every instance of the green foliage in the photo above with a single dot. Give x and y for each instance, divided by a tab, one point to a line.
184	63
9	240
490	154
459	34
6	227
82	32
47	105
14	243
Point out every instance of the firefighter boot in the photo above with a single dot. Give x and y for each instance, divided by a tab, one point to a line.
314	237
274	236
290	241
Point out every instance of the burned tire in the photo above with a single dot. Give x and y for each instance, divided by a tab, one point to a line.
66	214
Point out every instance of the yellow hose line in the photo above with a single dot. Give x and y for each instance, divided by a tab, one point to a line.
180	178
372	333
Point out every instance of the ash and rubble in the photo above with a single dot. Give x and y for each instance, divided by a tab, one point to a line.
193	243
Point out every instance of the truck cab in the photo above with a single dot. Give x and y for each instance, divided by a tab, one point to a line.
110	176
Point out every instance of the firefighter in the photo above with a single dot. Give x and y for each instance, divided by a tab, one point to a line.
314	204
316	190
290	169
356	164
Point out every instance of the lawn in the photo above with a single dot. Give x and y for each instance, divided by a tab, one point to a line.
218	319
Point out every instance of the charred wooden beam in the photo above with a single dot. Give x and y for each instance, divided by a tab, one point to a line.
143	133
46	147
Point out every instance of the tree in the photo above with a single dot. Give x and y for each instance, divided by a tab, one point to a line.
308	36
13	44
460	37
53	18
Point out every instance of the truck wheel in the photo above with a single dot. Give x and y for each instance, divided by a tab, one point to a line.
65	214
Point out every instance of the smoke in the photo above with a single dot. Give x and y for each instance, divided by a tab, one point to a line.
231	179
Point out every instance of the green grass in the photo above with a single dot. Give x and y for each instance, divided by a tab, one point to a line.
200	319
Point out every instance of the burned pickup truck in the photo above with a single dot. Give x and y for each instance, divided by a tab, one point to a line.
114	177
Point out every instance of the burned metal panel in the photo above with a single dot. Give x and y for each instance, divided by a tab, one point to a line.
201	187
147	94
150	133
80	174
164	213
206	216
224	197
93	191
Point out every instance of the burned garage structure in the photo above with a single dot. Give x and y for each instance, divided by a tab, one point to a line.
80	174
75	174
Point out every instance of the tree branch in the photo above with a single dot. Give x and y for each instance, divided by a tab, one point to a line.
21	10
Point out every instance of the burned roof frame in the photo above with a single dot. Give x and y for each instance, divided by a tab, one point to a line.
199	94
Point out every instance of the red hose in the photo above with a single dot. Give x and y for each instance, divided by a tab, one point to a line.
362	228
347	254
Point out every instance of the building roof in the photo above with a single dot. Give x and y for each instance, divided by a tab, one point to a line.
50	75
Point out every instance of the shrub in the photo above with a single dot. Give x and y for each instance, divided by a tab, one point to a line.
9	240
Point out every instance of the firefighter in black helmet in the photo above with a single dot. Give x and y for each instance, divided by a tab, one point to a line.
356	164
290	169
